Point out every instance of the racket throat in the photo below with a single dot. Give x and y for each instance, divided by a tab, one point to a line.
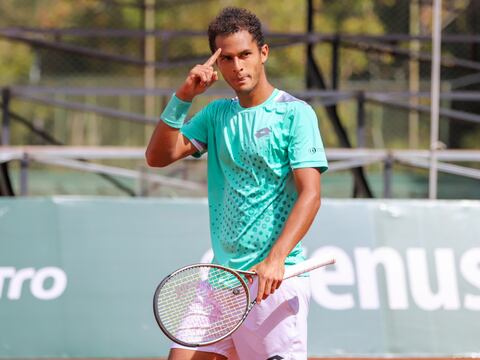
250	307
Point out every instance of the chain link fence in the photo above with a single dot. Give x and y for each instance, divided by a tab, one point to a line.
373	46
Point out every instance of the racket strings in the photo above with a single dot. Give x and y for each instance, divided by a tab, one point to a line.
202	304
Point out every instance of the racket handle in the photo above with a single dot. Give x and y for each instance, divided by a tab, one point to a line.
307	265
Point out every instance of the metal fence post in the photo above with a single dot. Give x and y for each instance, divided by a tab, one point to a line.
5	116
24	165
335	61
435	98
143	184
387	176
361	131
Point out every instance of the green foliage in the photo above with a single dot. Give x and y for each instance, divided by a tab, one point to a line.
286	65
15	62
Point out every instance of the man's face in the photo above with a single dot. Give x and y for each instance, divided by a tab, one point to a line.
241	61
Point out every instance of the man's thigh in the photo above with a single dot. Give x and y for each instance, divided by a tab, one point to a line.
184	354
224	349
277	327
189	328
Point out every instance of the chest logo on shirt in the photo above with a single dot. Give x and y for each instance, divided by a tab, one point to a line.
262	132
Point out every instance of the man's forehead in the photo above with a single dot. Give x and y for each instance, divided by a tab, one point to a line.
234	42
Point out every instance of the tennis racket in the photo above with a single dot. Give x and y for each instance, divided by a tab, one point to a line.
201	304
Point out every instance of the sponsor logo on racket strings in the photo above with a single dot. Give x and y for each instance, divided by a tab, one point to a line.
182	289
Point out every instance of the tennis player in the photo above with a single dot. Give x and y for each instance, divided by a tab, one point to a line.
265	157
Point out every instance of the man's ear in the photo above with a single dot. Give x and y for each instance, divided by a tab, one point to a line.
264	51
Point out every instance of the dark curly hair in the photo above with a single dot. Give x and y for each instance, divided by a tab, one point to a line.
232	20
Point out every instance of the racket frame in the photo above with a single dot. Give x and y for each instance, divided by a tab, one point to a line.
294	270
236	273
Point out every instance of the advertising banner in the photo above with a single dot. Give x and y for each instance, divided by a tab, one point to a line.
77	275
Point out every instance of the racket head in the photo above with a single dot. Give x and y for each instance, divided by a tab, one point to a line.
220	293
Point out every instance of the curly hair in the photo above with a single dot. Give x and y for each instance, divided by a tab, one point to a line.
232	20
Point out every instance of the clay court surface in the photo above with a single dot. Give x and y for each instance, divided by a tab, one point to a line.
310	358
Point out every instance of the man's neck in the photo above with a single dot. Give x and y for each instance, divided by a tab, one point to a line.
258	95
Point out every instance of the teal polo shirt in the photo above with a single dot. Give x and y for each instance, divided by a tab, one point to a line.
252	153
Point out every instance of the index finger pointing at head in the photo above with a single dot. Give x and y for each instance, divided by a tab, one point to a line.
213	58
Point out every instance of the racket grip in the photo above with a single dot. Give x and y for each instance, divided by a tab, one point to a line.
308	265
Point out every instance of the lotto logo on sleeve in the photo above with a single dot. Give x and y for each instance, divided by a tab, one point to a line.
314	150
46	283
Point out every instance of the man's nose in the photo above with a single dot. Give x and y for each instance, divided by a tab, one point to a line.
237	65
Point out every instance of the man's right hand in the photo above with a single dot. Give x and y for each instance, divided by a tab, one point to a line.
199	79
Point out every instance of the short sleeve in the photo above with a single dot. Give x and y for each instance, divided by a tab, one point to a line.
196	130
305	148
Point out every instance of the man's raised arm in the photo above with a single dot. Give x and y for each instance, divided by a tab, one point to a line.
167	143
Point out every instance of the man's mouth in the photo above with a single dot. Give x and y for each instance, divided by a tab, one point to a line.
241	79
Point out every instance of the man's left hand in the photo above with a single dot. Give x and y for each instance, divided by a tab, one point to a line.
270	275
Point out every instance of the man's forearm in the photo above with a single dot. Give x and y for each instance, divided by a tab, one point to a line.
298	222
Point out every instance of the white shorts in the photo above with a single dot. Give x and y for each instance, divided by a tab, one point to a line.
275	329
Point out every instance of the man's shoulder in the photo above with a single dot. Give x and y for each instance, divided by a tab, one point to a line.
290	103
287	98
